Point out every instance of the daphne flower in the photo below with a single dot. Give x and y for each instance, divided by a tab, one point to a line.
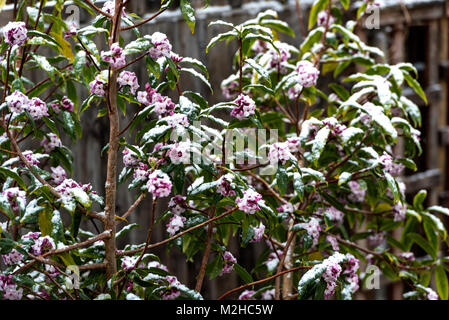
163	105
37	108
245	107
180	153
130	158
225	187
399	210
247	295
294	144
12	258
15	33
159	184
67	104
278	60
250	201
9	288
258	233
58	175
176	223
128	263
17	102
312	228
229	261
15	196
178	119
279	152
141	172
387	161
324	18
50	142
98	86
177	205
30	157
334	215
109	7
357	193
308	74
333	242
127	78
43	245
162	46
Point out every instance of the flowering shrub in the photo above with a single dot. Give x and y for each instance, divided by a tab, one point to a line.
328	179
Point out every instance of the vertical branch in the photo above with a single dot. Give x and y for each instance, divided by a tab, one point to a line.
114	128
210	226
241	65
287	280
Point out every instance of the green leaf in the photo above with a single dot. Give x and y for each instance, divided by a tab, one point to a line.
439	209
298	185
319	143
441	282
13	174
415	86
243	273
345	4
344	177
82	197
393	187
418	200
423	243
259	69
282	180
188	13
221	37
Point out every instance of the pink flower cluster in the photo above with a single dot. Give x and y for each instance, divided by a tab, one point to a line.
230	90
161	46
180	153
307	73
245	107
288	208
15	33
115	57
335	127
331	274
333	242
127	78
50	142
312	228
225	187
14	196
399	211
177	119
250	201
177	205
130	158
159	184
98	86
334	214
18	102
357	193
324	18
58	175
279	152
171	293
9	288
293	92
176	223
258	233
247	295
229	261
162	105
128	263
391	167
109	7
12	258
278	60
350	272
66	187
30	157
43	245
141	172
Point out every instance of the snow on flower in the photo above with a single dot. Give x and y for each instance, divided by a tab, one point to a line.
31	158
294	144
43	245
130	158
15	33
50	142
250	201
98	86
15	196
141	172
333	242
279	152
176	223
245	107
158	265
162	47
17	102
387	162
115	57
180	153
159	184
177	119
334	214
335	127
127	78
278	59
330	275
288	208
128	263
308	74
225	187
293	92
37	108
171	293
163	105
109	7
